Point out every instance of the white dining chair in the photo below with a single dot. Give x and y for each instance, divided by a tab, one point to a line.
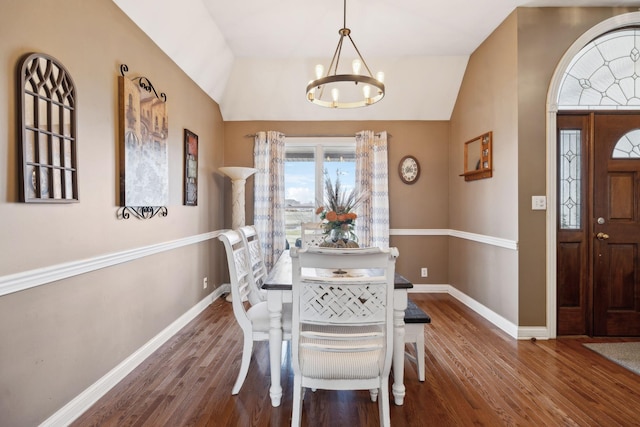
257	267
312	234
342	328
253	319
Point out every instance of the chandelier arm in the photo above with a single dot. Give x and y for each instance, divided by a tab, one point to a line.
336	54
360	55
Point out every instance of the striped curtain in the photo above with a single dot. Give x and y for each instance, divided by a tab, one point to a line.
372	171
268	207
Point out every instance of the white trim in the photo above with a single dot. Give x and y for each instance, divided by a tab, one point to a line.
513	330
552	109
493	317
419	232
489	240
480	238
41	276
76	407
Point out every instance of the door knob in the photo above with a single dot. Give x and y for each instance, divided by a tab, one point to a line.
602	236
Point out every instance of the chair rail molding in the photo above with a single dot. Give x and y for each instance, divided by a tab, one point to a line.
480	238
31	278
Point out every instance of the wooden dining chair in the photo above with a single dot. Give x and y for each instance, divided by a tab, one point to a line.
342	329
253	319
257	267
312	234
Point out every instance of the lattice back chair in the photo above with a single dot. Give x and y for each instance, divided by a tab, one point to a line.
257	270
342	336
253	319
312	234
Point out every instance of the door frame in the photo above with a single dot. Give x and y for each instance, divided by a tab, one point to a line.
632	18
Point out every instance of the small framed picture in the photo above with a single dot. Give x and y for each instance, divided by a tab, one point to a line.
190	168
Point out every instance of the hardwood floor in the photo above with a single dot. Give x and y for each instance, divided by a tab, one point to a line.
475	375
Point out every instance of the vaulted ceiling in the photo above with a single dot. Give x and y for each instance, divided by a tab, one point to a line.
255	57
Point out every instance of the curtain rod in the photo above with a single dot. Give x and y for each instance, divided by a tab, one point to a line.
253	135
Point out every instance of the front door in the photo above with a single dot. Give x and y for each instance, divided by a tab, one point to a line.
616	225
598	235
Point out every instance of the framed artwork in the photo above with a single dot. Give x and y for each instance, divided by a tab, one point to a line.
47	124
144	160
190	168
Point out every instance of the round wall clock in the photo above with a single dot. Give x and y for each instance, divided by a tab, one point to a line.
409	169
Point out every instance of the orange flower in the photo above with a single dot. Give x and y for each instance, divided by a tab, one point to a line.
342	217
331	216
352	215
319	210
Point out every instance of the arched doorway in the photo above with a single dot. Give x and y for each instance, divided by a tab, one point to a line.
574	254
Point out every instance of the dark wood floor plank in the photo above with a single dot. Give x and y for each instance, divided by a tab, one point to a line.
476	375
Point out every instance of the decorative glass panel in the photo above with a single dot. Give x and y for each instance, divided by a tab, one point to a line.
605	74
570	159
48	131
628	147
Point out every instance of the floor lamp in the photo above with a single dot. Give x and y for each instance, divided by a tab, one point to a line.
238	177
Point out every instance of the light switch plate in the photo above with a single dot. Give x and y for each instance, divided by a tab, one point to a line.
538	203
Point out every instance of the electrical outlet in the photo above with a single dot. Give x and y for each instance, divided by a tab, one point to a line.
424	272
205	283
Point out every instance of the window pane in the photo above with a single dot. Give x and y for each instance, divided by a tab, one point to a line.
570	179
299	189
603	75
305	165
341	162
628	146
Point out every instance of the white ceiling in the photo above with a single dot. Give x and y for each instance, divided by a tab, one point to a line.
255	57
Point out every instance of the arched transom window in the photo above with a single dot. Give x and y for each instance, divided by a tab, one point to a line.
628	146
605	74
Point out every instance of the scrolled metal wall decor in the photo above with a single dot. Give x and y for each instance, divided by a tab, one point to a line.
144	83
142	212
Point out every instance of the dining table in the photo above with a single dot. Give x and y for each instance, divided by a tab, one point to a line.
278	285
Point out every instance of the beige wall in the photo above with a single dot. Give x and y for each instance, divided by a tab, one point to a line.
504	90
59	338
423	205
487	102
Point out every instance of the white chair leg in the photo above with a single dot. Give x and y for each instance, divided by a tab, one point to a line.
420	354
247	350
296	410
383	404
374	394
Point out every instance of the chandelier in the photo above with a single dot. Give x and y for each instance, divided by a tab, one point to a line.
335	90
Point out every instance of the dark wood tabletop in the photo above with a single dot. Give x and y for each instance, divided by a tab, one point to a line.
280	276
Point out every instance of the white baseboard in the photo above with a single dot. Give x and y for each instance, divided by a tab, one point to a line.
72	410
515	331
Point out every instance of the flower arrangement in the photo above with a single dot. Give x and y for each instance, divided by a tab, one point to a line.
338	211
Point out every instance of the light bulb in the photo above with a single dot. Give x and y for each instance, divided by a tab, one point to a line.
312	93
356	64
380	76
335	94
366	90
319	71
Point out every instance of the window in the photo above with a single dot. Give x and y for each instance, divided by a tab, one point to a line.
306	162
628	146
603	75
570	173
